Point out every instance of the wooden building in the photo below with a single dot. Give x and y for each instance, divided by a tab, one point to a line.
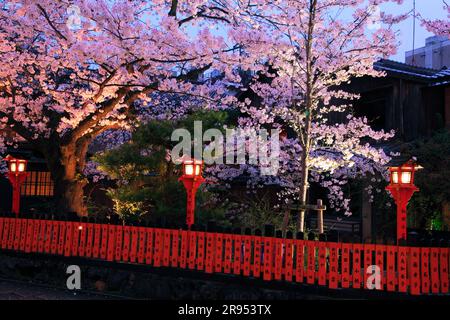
414	101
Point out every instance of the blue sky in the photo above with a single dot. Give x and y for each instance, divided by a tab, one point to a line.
430	9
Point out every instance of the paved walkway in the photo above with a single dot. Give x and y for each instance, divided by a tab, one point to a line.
12	290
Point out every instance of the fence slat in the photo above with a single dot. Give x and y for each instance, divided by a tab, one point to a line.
444	254
248	255
5	233
288	259
425	269
345	265
278	258
184	248
75	238
17	234
379	261
134	246
110	251
300	260
126	244
48	235
103	241
166	248
118	243
149	246
322	270
158	246
201	251
434	268
414	271
41	240
125	247
218	252
89	239
68	241
135	243
402	265
97	241
55	237
391	279
82	247
192	249
268	258
159	242
356	269
209	259
228	240
175	248
141	247
257	257
11	231
311	266
61	237
334	278
369	250
23	235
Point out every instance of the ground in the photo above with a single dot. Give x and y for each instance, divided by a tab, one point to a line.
14	290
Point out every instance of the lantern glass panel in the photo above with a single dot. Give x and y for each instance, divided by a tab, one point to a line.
406	177
395	177
21	167
189	169
197	169
13	166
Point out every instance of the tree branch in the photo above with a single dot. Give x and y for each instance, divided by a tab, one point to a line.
46	16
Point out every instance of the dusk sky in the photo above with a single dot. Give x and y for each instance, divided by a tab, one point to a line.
428	9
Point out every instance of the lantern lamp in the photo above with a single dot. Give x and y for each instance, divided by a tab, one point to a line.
17	175
192	179
192	168
402	188
16	165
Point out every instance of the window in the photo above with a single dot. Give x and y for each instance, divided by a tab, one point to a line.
38	183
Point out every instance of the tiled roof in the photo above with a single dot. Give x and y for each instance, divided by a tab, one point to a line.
432	76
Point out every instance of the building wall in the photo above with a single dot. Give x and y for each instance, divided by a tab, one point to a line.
434	55
409	107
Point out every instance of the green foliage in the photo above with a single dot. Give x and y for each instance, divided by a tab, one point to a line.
434	180
147	185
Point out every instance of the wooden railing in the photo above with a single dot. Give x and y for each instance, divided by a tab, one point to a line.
414	270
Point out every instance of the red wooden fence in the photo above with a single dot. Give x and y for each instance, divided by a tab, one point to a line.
336	265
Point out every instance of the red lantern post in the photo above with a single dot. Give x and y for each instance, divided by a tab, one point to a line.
192	179
402	188
17	175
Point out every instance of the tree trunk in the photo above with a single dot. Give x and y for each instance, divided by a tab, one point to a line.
303	191
66	164
306	143
70	197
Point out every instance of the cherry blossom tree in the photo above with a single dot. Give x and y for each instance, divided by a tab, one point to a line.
69	71
315	48
439	27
